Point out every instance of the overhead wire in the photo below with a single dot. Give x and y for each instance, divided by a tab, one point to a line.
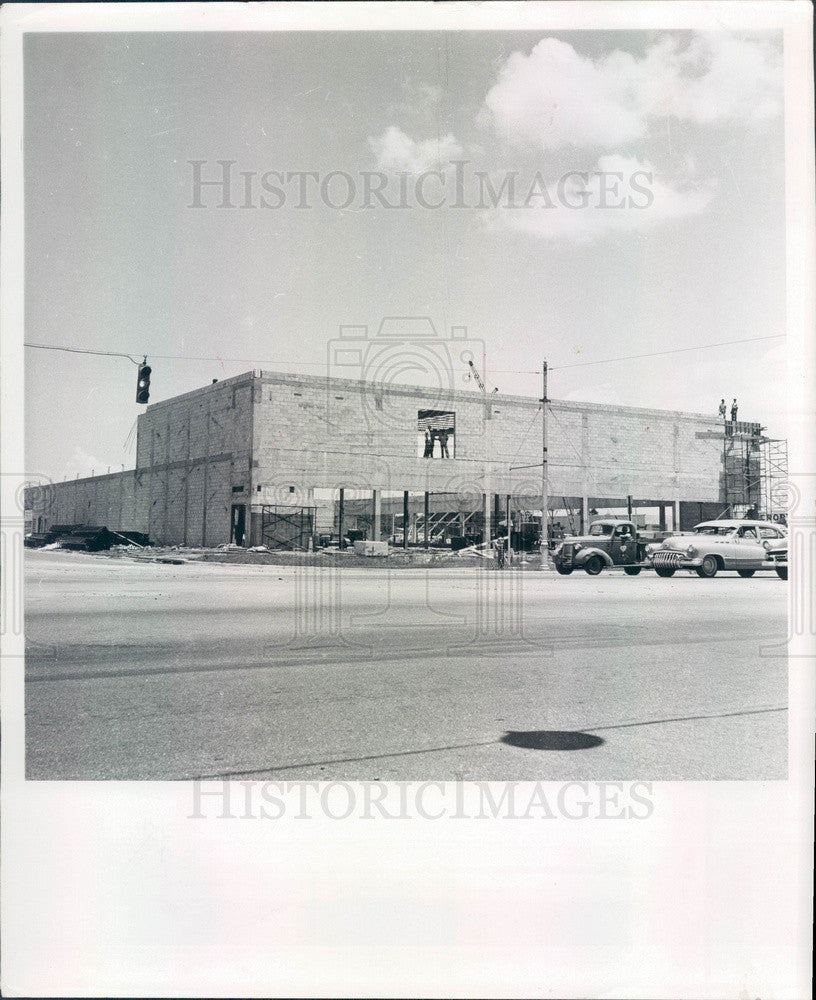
502	371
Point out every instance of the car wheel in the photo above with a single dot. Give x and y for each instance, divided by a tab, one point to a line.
664	570
782	572
631	570
746	572
594	565
563	570
708	568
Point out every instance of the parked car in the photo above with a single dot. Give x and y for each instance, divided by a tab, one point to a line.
609	542
718	545
778	555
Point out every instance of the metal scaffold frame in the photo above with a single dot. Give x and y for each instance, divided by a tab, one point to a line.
284	527
755	471
742	470
774	472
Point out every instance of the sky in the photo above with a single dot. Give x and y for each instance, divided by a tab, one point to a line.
637	207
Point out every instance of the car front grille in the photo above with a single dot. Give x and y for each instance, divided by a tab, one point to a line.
567	550
667	557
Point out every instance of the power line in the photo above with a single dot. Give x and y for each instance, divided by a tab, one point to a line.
524	435
168	357
81	350
495	371
567	435
634	357
676	350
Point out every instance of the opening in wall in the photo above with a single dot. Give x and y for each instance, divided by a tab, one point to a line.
436	434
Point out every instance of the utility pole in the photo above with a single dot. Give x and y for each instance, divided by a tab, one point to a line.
545	484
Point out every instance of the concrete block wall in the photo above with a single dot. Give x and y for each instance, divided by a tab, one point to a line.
315	432
742	475
194	461
110	500
271	438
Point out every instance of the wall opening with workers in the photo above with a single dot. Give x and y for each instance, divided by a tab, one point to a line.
436	432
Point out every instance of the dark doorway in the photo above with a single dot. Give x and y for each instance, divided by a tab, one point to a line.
238	522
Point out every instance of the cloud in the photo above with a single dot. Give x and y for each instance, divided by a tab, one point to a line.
430	95
418	101
554	97
397	152
84	463
622	194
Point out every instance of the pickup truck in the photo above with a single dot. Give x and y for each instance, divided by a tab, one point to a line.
609	542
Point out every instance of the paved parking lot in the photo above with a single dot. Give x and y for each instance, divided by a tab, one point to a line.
143	671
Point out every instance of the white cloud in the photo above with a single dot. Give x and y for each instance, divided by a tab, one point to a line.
84	463
554	97
430	94
418	101
623	194
397	152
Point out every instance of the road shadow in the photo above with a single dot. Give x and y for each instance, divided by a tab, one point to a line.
551	739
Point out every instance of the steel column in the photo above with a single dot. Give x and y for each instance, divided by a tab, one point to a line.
377	529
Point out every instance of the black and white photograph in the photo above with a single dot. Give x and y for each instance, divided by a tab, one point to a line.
272	510
412	407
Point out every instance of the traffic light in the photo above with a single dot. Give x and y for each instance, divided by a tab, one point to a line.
143	383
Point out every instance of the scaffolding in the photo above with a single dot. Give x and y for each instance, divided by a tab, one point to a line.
774	475
284	527
755	471
742	472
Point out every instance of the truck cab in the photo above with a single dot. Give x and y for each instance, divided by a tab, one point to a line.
608	542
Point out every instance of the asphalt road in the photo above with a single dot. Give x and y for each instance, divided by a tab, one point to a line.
137	670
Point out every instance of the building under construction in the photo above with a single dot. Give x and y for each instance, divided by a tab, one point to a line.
289	461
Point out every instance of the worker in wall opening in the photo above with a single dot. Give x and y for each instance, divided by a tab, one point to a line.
443	442
429	444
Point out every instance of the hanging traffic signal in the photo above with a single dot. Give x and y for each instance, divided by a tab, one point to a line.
143	382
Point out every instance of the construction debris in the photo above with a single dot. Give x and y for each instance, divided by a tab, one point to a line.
84	538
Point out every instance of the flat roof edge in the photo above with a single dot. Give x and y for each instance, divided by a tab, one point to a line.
419	392
273	377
